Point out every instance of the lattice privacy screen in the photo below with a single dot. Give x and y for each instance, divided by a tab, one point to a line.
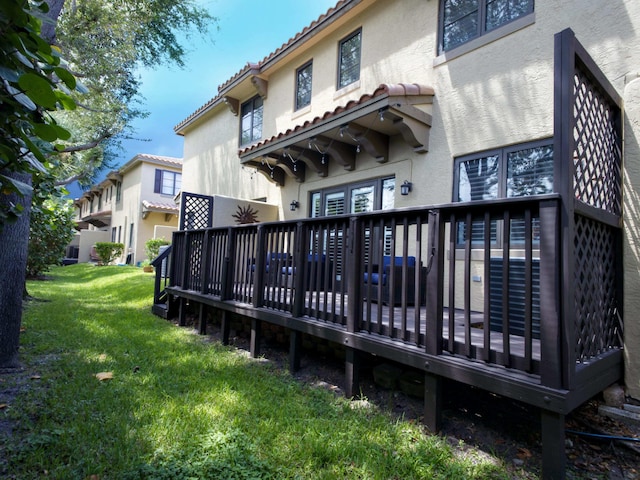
597	182
196	211
597	157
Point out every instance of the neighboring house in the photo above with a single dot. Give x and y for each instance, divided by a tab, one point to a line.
132	205
422	105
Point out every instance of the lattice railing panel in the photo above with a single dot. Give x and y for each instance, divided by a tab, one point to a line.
598	324
196	211
597	155
196	241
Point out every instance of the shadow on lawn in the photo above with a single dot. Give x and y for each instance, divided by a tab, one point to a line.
178	406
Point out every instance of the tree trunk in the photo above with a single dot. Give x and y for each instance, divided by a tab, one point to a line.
48	30
14	241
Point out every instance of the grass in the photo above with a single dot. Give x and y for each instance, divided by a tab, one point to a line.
180	407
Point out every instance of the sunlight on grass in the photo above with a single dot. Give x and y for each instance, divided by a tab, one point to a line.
180	407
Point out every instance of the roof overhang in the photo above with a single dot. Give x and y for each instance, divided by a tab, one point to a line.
338	136
166	208
98	219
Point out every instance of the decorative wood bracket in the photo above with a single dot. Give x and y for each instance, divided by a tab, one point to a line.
295	169
341	152
261	86
413	124
312	158
273	174
233	104
374	143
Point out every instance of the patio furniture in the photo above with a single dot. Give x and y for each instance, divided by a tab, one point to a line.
317	269
382	276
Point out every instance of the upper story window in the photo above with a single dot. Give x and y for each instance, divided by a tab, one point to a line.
303	85
167	183
464	20
251	126
349	59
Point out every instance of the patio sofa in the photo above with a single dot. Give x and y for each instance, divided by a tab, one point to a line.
381	275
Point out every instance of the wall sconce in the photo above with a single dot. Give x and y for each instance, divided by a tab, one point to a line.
406	187
293	205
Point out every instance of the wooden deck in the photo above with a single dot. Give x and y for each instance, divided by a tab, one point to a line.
387	318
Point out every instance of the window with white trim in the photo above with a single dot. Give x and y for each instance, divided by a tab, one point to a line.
349	59
464	20
167	182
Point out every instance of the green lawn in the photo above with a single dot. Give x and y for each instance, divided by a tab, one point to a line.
181	407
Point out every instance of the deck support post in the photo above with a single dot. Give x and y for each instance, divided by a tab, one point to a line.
295	343
553	445
256	330
433	402
225	327
352	372
202	319
182	312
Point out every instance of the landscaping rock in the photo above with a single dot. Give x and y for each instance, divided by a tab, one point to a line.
614	396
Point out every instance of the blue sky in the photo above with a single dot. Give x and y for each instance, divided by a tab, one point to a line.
248	31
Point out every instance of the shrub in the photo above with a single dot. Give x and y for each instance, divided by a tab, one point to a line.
152	247
108	251
51	230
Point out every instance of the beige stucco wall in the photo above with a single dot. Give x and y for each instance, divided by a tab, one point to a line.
88	239
137	185
632	238
224	209
211	163
495	94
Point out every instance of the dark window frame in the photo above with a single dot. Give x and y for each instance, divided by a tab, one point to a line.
254	108
306	99
160	175
347	189
345	82
502	181
480	19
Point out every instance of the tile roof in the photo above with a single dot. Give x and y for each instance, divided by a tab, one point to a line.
255	67
160	158
392	90
168	207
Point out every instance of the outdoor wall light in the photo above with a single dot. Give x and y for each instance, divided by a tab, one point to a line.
293	205
405	188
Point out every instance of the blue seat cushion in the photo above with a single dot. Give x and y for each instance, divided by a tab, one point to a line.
375	278
386	261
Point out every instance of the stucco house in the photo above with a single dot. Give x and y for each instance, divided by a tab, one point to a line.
132	205
458	165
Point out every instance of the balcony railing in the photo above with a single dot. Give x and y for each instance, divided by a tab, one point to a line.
457	280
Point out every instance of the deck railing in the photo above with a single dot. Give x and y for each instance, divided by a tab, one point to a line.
457	279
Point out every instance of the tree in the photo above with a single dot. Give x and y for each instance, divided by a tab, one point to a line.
31	87
103	43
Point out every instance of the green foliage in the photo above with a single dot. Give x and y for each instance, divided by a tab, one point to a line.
180	406
51	230
106	43
33	83
152	247
108	251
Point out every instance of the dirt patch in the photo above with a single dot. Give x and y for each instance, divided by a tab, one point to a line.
476	419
